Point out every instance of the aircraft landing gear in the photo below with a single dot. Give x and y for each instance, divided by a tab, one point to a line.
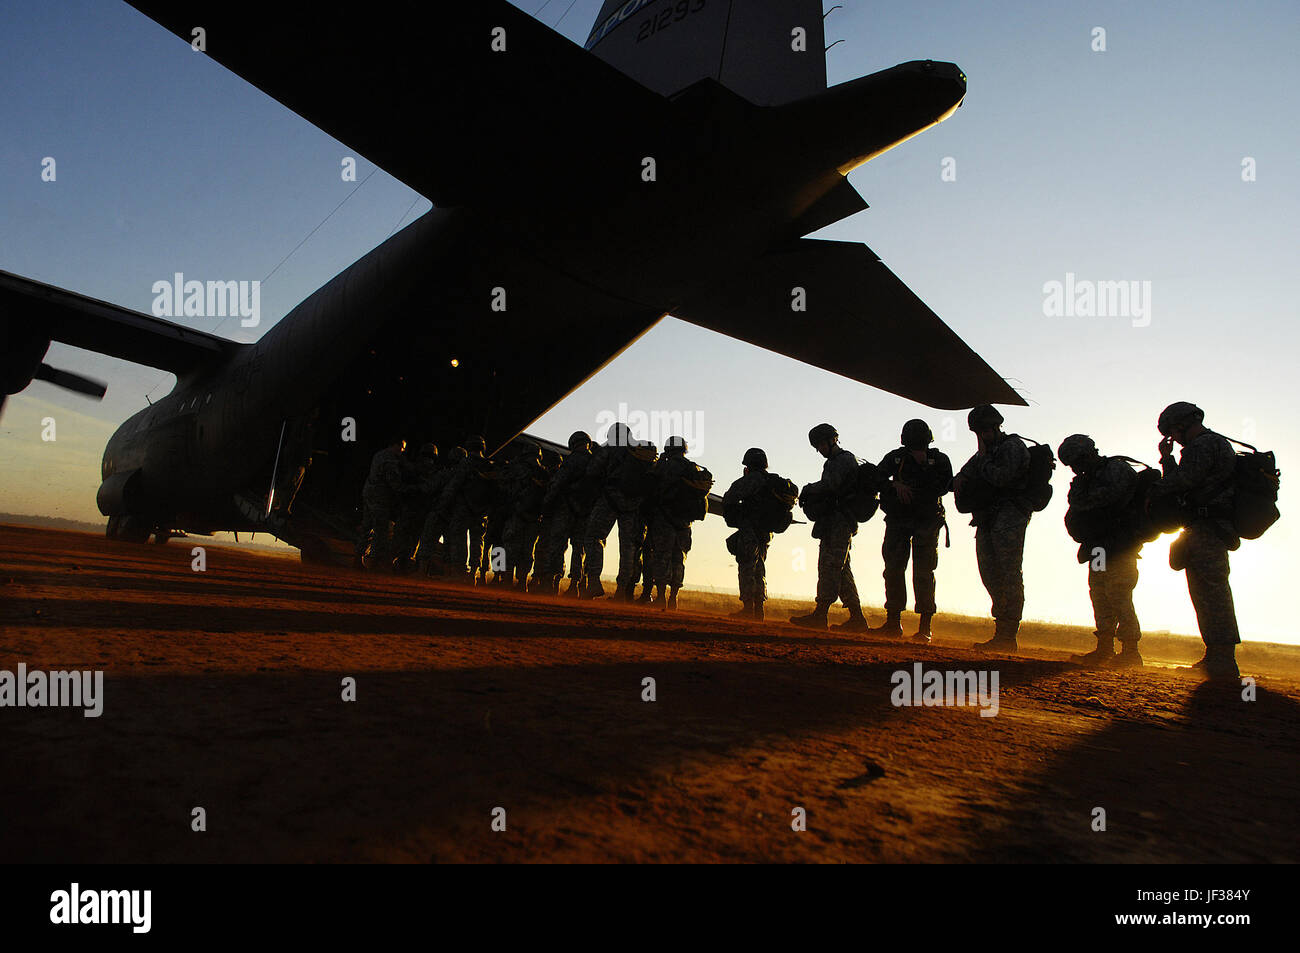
129	529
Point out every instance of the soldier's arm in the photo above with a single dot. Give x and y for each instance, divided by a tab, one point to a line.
942	474
1006	465
1191	470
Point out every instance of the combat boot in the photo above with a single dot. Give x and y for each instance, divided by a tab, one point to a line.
647	593
574	591
672	598
659	601
746	610
1004	637
893	624
923	634
1128	657
1101	655
856	622
813	620
1220	661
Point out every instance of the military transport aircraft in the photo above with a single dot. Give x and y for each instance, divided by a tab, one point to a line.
579	196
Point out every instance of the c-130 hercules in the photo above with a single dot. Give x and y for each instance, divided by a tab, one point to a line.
671	167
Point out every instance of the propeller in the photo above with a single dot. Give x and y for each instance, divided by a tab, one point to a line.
70	381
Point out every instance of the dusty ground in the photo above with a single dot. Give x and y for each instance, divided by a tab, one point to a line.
223	691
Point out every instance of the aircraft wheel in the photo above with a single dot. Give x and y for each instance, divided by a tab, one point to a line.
134	529
161	536
112	531
313	551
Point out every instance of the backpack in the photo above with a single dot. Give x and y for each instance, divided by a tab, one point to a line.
688	500
481	489
635	479
770	510
862	498
1124	526
1255	485
1038	481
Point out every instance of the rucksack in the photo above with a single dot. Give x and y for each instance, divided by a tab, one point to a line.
1038	481
481	488
688	500
1124	526
1255	485
771	509
862	498
635	479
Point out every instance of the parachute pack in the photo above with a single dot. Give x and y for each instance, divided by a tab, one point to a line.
977	494
1038	483
635	479
859	501
688	500
1255	482
769	510
1132	523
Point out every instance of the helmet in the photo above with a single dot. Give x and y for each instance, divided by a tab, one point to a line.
755	459
1178	414
550	459
579	438
475	442
457	454
983	417
620	435
916	435
1075	449
822	432
429	451
675	445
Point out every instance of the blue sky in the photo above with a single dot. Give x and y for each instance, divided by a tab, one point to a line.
1116	165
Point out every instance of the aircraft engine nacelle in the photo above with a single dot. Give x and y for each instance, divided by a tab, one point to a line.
121	494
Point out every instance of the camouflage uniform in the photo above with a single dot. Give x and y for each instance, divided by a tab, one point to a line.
1203	476
435	523
670	535
418	496
381	498
912	529
465	517
1000	527
565	520
835	533
526	481
1109	486
610	464
750	542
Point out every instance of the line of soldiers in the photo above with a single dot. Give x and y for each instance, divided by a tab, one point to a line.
915	478
534	509
488	522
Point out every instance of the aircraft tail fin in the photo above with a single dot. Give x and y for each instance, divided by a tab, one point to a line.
768	51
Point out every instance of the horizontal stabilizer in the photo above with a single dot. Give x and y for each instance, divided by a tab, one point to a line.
54	314
860	321
454	99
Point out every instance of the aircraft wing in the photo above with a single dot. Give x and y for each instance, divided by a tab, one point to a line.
34	311
419	89
861	322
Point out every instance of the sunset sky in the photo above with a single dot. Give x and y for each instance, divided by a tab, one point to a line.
1122	165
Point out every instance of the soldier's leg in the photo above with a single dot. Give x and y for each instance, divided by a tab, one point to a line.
382	554
1101	590
1007	541
476	554
894	550
1128	629
661	534
681	548
763	540
848	588
925	560
746	546
603	518
987	567
831	552
457	547
1207	583
630	534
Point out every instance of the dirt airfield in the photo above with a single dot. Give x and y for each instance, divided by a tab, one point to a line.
223	690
